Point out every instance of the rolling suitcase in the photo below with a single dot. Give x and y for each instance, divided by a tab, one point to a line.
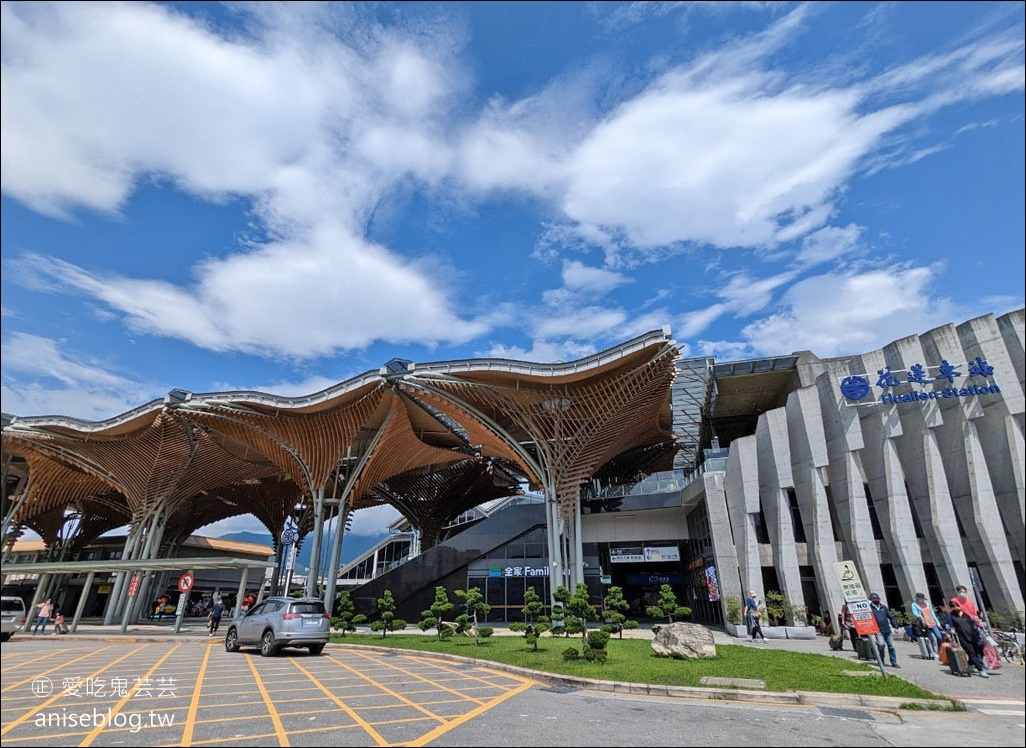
942	655
925	647
864	648
958	661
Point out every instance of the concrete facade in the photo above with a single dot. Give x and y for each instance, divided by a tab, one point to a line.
922	493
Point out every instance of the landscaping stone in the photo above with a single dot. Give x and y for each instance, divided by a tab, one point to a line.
684	641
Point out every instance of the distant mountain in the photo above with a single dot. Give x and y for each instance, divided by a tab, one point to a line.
353	546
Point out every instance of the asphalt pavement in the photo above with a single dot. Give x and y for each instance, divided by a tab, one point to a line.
1006	686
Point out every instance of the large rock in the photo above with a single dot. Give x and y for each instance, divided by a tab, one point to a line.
684	641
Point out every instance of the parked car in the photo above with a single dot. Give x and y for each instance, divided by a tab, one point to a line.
12	616
280	622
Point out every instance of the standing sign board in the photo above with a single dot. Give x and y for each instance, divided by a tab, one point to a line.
851	583
865	621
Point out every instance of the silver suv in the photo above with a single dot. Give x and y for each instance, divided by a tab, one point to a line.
12	616
280	622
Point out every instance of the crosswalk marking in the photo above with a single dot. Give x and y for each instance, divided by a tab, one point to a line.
1004	712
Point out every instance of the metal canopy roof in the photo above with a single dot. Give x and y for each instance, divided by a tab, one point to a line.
162	564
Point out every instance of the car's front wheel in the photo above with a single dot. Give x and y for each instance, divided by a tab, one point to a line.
267	646
231	641
6	636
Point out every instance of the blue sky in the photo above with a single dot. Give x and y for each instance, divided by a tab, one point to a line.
282	196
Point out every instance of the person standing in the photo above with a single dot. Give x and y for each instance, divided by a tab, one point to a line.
886	623
847	623
215	615
753	616
43	612
963	602
922	611
968	636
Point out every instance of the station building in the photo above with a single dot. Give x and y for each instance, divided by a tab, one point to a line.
635	468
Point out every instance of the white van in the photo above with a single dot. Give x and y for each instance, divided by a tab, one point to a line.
12	616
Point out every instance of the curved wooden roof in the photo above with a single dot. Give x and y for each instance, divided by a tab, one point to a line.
422	434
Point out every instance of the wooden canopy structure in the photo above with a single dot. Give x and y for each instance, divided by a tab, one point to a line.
431	440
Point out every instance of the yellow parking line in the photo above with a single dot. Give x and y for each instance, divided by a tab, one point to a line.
190	719
442	729
34	659
395	694
438	686
461	674
47	672
124	700
279	729
343	706
39	707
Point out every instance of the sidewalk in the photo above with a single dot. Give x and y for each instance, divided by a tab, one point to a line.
1006	684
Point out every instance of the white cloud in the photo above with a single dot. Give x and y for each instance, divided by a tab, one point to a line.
318	113
828	244
580	278
298	299
726	165
41	379
373	520
242	523
543	351
835	314
97	97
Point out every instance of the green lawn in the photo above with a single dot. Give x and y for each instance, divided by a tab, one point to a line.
632	661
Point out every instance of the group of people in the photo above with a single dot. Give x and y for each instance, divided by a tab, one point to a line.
960	619
46	612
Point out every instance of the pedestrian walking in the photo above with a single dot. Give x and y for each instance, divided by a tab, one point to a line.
753	616
215	615
886	623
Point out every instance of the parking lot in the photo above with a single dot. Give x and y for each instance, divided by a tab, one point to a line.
61	692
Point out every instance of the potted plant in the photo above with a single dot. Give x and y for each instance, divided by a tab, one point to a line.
735	625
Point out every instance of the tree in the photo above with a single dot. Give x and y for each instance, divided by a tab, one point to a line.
777	608
435	615
535	622
667	606
388	621
615	611
560	613
475	605
576	609
347	617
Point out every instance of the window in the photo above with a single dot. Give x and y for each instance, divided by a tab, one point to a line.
873	519
835	520
308	608
796	517
761	531
916	523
